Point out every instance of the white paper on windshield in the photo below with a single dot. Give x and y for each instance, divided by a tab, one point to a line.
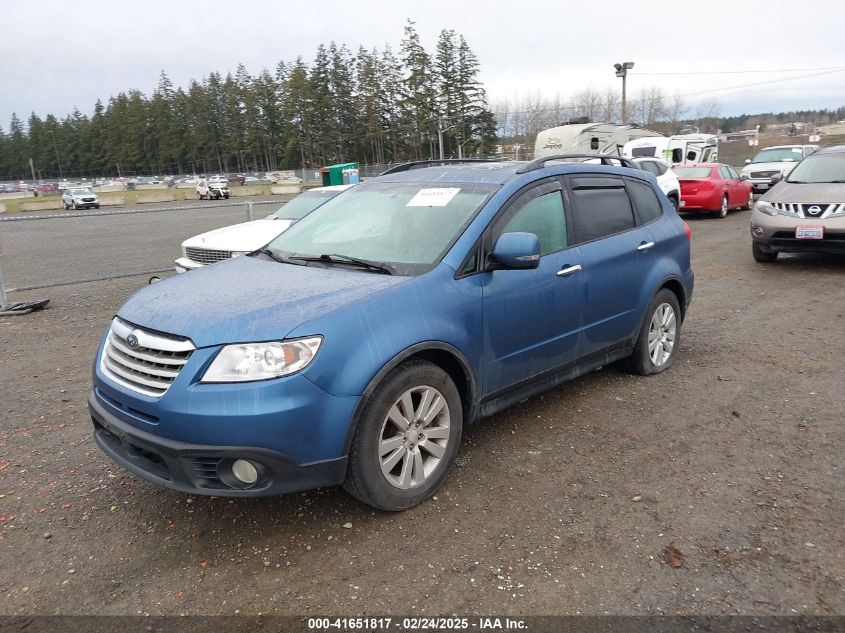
797	150
433	197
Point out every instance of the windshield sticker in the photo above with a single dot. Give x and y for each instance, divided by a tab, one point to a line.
797	150
433	197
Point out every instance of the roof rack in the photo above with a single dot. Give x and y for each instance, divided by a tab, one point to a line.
539	163
418	164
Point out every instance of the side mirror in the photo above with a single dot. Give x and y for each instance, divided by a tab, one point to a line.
747	161
744	177
515	251
777	178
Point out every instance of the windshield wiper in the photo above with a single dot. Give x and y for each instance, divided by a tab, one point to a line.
276	257
347	259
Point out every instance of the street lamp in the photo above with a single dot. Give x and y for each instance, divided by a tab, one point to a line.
622	71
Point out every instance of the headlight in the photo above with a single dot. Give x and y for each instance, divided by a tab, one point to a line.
765	207
246	362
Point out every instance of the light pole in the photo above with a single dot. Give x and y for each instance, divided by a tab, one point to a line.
622	71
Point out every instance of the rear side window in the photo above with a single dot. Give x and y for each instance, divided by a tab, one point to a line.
649	166
646	201
600	207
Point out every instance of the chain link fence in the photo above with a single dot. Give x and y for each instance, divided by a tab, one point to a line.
49	250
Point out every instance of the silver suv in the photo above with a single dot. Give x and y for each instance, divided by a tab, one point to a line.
774	162
805	212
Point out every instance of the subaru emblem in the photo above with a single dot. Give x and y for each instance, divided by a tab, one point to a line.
814	210
132	341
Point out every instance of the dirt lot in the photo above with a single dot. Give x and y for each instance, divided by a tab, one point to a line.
716	487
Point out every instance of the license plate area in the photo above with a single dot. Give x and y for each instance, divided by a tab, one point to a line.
809	232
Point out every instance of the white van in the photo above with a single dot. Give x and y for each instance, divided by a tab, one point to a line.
678	149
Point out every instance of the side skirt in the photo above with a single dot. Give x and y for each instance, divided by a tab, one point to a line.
540	383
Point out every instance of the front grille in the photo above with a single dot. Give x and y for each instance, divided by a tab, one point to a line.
810	210
88	199
763	174
206	255
150	366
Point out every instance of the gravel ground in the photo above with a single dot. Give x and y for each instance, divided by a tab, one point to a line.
714	488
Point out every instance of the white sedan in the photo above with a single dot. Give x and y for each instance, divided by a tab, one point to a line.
239	239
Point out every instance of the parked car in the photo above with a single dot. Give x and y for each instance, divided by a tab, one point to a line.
713	187
212	188
357	345
779	159
80	199
667	179
239	239
805	212
236	179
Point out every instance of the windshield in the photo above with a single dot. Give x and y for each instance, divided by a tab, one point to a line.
407	226
80	192
779	154
819	168
303	204
691	172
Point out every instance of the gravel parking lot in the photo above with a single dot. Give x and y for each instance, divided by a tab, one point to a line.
716	487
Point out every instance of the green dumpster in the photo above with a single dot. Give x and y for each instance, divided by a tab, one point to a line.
333	174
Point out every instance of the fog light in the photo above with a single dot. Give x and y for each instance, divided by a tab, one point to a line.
757	230
244	472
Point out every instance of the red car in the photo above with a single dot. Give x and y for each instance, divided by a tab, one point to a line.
713	187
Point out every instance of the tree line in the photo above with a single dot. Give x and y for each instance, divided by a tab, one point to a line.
373	106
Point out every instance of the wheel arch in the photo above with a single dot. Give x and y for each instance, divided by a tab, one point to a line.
677	288
447	357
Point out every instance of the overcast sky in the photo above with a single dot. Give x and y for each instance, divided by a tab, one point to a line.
58	54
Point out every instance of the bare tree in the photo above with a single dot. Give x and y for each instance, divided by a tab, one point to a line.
649	106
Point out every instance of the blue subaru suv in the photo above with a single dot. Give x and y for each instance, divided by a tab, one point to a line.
355	347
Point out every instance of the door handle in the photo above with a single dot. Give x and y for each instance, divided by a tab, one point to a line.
645	246
568	270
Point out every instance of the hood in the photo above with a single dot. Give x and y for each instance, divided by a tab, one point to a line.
813	193
247	299
247	237
779	165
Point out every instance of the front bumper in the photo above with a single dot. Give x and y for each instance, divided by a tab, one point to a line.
184	264
776	234
203	469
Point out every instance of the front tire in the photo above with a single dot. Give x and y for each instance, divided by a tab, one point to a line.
750	202
660	334
406	439
760	255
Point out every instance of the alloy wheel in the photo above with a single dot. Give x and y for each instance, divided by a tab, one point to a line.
661	334
413	437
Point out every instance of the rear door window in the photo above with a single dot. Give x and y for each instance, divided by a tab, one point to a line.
600	207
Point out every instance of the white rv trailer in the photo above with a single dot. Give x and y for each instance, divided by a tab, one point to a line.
587	138
675	150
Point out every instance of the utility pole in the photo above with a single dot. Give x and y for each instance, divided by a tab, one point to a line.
622	71
440	130
118	169
32	168
58	162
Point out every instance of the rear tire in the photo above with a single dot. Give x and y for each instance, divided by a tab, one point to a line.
675	203
750	202
394	464
659	337
760	255
723	210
